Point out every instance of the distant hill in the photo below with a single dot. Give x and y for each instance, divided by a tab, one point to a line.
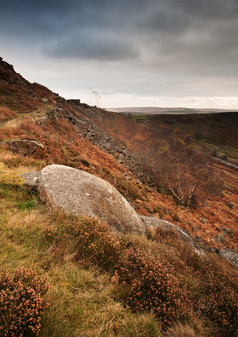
159	110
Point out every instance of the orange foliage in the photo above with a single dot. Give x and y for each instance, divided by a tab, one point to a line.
6	113
211	283
21	302
175	283
62	144
148	285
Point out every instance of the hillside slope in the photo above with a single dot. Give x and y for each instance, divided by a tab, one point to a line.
106	144
87	296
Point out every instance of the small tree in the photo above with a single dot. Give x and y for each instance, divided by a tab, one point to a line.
170	162
187	174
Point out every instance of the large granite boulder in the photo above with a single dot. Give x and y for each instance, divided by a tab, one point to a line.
82	194
168	226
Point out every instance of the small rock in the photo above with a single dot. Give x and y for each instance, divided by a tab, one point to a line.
166	225
227	231
75	102
107	146
31	180
220	238
229	255
24	146
120	157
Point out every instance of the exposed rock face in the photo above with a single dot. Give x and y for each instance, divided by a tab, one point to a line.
156	222
25	147
84	121
230	256
75	102
79	193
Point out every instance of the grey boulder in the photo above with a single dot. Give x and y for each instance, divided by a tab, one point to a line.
79	193
229	255
168	226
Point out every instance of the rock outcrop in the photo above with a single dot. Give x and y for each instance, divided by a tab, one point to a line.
79	193
19	94
156	222
24	146
84	118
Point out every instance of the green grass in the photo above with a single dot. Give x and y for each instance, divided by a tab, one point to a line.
140	118
26	205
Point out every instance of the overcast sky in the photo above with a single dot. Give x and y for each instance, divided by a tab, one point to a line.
131	52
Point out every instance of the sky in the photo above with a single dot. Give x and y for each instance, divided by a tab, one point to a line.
168	53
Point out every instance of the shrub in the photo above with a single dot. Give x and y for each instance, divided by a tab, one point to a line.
218	301
211	283
147	285
97	244
22	302
128	189
6	113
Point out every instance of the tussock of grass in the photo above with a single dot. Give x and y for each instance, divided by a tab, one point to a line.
197	327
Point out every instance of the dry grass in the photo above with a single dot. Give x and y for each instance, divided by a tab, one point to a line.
197	327
18	161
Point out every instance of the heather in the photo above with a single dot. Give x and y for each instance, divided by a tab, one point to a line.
22	302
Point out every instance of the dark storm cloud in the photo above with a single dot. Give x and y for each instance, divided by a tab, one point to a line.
107	30
102	46
83	29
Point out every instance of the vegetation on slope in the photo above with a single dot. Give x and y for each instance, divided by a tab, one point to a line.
166	159
214	133
97	278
